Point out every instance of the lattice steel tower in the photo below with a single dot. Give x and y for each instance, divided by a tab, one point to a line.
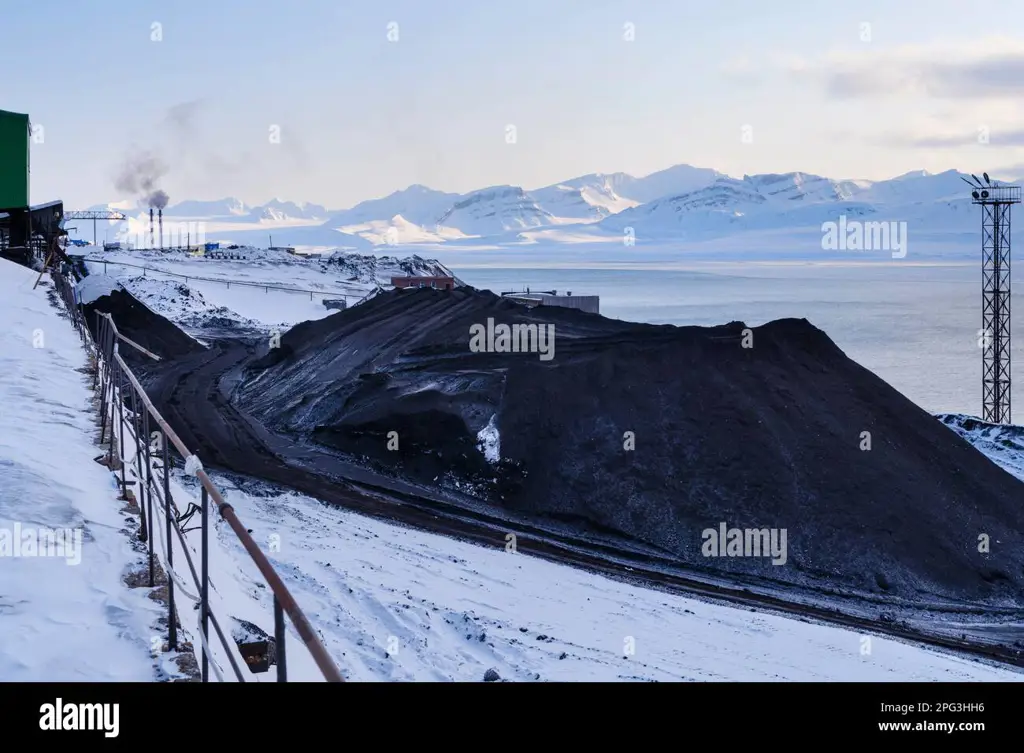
995	201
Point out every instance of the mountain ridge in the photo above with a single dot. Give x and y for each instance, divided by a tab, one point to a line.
697	201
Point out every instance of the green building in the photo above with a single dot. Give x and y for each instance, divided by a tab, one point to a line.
14	160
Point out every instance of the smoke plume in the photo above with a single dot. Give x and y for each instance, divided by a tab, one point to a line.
140	175
158	199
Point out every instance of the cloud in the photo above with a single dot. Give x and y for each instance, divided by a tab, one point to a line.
293	145
741	71
985	69
982	135
181	117
1009	172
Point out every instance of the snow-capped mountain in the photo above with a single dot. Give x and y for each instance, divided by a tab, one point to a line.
726	199
588	198
494	211
798	201
675	180
679	202
915	187
220	208
230	208
800	187
416	204
277	210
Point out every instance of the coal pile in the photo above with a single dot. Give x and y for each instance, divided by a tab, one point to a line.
141	325
660	434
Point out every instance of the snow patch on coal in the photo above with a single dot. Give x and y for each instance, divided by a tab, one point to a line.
184	305
95	286
143	326
1003	445
489	441
660	434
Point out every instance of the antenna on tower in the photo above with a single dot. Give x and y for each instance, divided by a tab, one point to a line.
995	201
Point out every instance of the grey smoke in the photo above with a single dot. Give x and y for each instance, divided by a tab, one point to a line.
158	199
140	174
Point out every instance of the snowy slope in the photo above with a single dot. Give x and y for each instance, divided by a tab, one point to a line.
800	203
585	199
396	604
60	621
390	603
675	180
398	231
494	211
229	207
717	207
198	291
1004	445
416	204
278	210
915	187
798	187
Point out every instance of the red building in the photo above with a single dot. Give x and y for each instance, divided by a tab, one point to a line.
439	282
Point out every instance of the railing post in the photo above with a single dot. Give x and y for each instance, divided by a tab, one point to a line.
279	633
205	607
141	501
120	428
104	364
99	338
149	495
113	372
172	634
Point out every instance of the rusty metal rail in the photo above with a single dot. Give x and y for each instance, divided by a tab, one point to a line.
120	394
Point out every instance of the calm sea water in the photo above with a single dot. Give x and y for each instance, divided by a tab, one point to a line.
917	327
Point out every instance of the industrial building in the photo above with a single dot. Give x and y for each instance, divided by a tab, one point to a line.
28	234
440	282
589	303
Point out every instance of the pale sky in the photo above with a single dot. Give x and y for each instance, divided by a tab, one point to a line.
370	96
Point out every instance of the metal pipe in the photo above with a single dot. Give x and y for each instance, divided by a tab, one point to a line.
138	347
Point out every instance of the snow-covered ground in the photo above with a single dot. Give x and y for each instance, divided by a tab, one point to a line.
396	604
70	617
259	287
390	603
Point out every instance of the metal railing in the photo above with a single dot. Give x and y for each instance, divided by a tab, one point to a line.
126	413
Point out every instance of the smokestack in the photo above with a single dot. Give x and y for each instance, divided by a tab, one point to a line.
152	229
160	214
